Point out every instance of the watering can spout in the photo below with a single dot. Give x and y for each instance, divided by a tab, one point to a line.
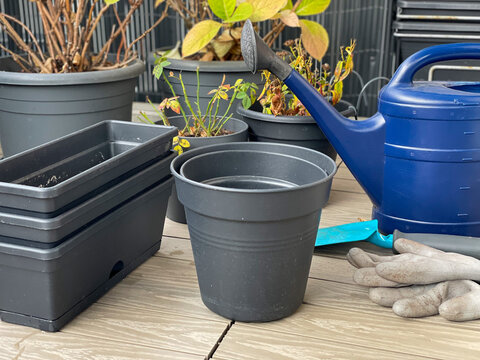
359	143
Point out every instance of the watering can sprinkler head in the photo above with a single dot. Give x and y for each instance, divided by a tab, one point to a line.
258	56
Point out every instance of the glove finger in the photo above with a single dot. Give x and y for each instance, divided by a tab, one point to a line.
462	308
418	270
360	258
426	304
388	296
410	246
368	277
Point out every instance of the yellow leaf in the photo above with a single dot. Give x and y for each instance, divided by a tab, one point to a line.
312	7
178	149
243	12
265	9
175	140
158	2
111	2
199	36
222	8
314	38
222	48
184	143
289	18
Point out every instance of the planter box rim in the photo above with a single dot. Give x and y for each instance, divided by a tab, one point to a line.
133	70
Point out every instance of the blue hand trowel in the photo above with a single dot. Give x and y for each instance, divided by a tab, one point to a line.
368	231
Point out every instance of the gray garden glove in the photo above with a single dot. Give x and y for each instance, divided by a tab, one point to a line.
390	279
416	264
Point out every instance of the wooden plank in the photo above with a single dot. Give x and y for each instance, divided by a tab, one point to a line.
60	345
384	332
162	284
345	207
148	328
332	269
12	338
244	342
175	248
347	185
175	229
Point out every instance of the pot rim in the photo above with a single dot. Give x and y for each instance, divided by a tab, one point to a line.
133	70
235	120
208	66
191	153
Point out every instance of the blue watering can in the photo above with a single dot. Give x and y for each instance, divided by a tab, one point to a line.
418	157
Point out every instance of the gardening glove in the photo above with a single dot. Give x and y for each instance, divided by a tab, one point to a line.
416	264
457	300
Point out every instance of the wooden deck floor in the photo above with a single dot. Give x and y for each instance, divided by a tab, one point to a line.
157	313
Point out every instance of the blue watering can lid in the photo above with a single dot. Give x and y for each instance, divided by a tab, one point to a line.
431	100
435	100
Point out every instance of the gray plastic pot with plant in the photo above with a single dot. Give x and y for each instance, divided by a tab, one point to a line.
293	130
253	211
37	108
239	129
210	76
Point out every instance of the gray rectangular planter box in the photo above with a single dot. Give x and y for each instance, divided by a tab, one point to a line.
53	176
45	288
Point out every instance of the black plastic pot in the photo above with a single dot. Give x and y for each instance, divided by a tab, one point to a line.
175	210
36	108
211	75
293	130
253	244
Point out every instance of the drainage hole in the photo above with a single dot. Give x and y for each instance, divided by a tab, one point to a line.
116	268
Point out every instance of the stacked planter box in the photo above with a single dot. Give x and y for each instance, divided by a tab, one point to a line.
420	24
77	215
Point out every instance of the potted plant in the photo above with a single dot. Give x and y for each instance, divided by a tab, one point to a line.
212	42
278	115
200	126
55	85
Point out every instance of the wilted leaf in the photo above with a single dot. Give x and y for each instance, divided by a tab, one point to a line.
312	7
199	36
158	2
223	95
265	9
289	18
337	92
222	48
222	8
175	106
243	12
111	2
178	149
314	38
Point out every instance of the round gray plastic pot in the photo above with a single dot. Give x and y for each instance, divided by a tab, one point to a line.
211	75
37	108
253	246
175	210
293	130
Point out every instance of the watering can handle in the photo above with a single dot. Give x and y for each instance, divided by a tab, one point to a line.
433	54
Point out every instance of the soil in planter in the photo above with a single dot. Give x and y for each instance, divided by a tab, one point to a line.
67	168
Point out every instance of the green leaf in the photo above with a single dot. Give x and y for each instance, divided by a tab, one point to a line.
199	36
243	12
111	2
265	9
312	7
222	8
289	5
314	38
246	102
241	95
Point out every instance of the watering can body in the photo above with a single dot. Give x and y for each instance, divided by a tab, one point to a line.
418	158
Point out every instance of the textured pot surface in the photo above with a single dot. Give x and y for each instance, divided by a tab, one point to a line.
37	108
175	210
253	246
293	130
